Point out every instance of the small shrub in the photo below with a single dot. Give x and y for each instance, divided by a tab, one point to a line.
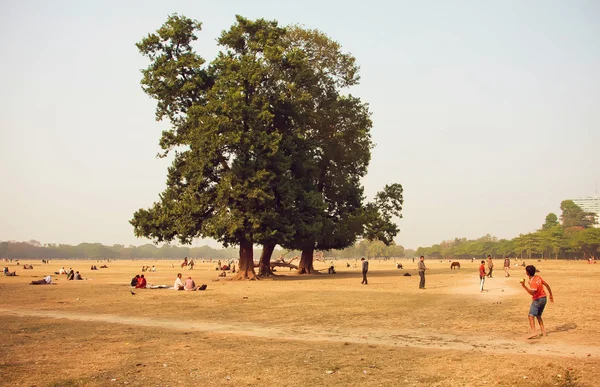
569	379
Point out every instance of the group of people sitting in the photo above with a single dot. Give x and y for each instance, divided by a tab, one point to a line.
139	282
26	266
188	285
148	268
9	273
71	274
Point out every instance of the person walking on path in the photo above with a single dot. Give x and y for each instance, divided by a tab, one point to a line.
506	267
365	269
490	264
422	269
481	275
538	295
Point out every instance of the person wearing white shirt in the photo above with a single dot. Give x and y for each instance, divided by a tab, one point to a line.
47	280
178	283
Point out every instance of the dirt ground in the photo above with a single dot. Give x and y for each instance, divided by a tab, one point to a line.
293	330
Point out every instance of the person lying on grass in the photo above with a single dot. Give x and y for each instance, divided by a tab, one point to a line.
47	280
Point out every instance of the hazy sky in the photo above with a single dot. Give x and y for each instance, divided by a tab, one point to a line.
487	112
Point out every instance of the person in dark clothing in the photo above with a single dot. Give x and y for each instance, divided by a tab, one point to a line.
422	269
134	280
365	269
490	264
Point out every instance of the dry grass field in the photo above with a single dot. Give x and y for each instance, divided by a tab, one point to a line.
295	330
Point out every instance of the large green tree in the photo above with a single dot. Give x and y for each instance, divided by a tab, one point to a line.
231	121
574	216
267	149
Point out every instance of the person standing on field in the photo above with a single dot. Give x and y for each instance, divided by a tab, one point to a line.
490	264
365	269
506	267
422	269
538	295
481	275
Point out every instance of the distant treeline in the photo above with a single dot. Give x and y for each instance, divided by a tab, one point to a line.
35	250
574	236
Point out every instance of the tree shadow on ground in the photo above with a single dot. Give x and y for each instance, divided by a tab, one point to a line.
292	276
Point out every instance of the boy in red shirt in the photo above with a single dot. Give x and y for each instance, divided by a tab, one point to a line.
536	289
481	275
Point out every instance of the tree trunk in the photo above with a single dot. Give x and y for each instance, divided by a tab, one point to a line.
265	260
246	267
306	260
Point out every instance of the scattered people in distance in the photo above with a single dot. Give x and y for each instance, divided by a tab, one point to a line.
77	277
71	275
399	266
141	283
482	275
153	268
538	295
347	264
178	283
191	264
490	264
365	270
232	270
507	267
103	267
331	270
223	273
62	270
9	273
190	284
422	269
134	281
47	280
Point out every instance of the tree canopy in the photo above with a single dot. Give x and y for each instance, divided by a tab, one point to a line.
268	150
574	216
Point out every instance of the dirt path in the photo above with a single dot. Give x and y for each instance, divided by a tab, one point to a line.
421	338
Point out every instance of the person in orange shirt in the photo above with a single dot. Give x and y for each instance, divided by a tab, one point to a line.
481	275
538	295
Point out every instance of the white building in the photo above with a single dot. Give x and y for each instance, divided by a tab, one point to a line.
589	204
